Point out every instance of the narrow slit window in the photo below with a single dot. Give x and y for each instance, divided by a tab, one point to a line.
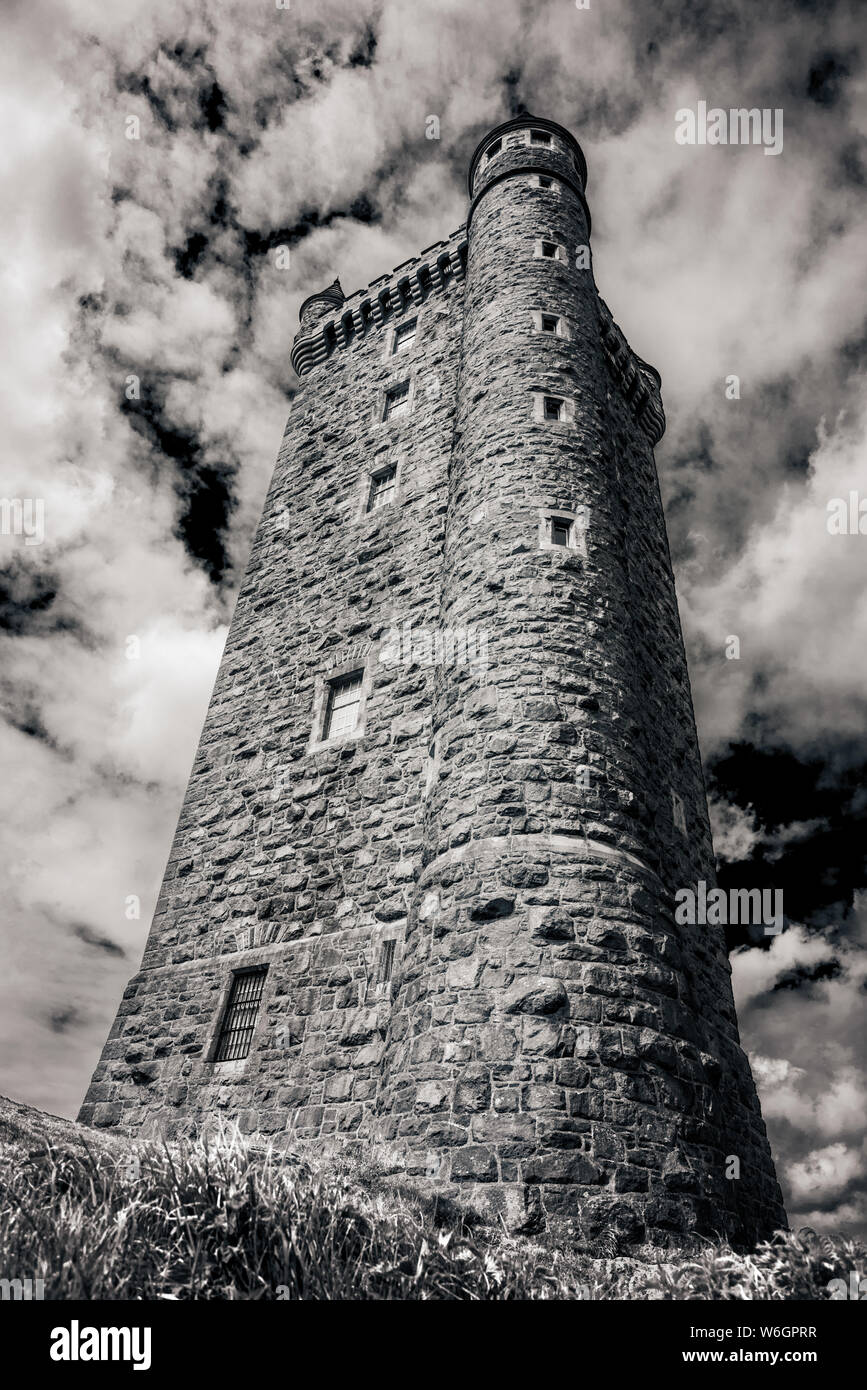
561	530
386	961
549	250
404	336
397	401
550	323
383	485
553	408
239	1019
344	702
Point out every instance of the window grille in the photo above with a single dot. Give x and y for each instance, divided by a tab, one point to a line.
239	1020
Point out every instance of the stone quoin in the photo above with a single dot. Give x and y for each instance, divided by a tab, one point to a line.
428	906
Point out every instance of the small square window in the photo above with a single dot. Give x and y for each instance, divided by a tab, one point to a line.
494	149
396	401
561	530
549	250
344	702
554	408
383	486
545	181
550	323
539	137
404	336
386	961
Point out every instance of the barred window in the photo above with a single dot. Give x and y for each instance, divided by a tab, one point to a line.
386	961
239	1020
382	488
397	401
560	530
344	701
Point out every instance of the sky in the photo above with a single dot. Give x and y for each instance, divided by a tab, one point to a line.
155	159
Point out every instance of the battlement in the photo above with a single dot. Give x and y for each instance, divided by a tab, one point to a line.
410	283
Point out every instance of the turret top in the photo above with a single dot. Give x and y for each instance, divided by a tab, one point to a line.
521	123
325	301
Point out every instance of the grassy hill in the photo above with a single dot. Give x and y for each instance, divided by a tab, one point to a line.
97	1217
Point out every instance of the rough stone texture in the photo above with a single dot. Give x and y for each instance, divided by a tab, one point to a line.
551	1043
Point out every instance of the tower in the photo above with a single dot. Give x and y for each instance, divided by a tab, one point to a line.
421	894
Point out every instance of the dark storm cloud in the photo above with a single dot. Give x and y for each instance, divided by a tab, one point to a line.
93	938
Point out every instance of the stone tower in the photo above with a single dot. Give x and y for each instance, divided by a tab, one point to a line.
421	892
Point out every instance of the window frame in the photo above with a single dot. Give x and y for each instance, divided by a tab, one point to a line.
320	740
230	1002
396	346
540	416
376	476
575	517
350	683
559	250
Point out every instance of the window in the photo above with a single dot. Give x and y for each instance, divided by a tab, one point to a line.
382	488
396	401
494	149
545	181
404	336
553	408
239	1020
539	137
550	323
344	700
560	530
549	250
386	961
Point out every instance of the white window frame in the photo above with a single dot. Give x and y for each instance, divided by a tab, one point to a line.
567	416
559	250
562	330
577	518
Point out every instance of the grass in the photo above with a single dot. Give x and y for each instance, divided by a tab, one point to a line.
96	1218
